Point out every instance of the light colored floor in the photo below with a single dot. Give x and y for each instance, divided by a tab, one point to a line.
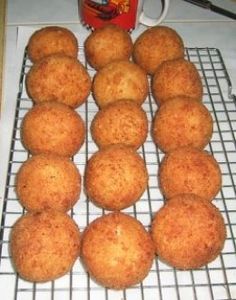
2	38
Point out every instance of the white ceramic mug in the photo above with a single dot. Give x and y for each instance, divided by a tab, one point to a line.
125	13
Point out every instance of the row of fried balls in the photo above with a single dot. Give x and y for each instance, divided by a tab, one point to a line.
116	249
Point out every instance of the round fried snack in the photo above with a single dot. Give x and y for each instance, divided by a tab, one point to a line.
58	78
115	177
117	251
51	40
176	78
48	181
107	44
189	170
44	245
155	45
121	122
188	232
120	80
182	122
52	128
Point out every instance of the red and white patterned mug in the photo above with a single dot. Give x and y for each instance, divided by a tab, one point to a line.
125	13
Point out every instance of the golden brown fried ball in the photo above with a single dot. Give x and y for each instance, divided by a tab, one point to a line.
189	170
52	128
115	177
182	122
176	78
188	232
44	245
51	40
58	78
120	80
107	44
48	181
117	251
155	45
121	122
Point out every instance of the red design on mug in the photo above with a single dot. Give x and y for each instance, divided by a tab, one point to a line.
120	12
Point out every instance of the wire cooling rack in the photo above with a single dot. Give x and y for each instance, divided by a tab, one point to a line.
217	280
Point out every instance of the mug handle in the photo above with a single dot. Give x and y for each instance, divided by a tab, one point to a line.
145	20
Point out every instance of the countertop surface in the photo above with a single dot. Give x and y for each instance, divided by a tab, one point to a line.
38	12
197	27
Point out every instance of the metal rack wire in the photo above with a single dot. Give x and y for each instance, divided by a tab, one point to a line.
214	281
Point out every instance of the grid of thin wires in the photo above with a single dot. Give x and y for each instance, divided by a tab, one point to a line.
217	280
